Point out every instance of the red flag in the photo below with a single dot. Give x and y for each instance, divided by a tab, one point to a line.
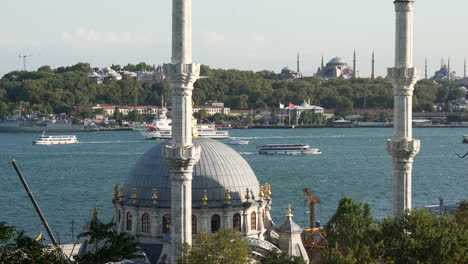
292	106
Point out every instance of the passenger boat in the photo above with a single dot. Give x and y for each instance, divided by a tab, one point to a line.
287	149
210	131
163	130
465	139
55	140
238	141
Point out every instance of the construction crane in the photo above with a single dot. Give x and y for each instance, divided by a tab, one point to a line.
24	56
313	238
312	200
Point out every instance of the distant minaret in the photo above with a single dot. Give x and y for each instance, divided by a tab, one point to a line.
373	66
321	67
448	69
464	69
425	69
298	61
354	65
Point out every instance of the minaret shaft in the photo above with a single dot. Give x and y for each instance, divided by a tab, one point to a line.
181	31
403	147
182	155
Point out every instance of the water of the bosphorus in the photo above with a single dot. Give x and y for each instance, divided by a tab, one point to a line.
66	180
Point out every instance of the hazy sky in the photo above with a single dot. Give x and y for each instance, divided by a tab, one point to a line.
242	34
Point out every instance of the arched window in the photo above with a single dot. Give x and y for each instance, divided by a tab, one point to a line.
129	221
194	224
236	222
166	226
253	221
215	223
145	223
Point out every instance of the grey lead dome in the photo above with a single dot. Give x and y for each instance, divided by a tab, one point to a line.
219	168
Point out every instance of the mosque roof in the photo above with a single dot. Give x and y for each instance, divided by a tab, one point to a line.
220	167
289	226
336	61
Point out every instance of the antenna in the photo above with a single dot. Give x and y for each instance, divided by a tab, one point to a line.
24	56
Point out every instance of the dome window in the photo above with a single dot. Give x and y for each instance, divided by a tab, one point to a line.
166	226
236	222
215	223
129	221
253	221
145	223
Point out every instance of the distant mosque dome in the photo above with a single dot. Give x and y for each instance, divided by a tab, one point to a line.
337	61
219	168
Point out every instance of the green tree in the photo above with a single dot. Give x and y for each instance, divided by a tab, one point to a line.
134	116
421	237
18	248
222	247
118	116
109	245
275	257
352	235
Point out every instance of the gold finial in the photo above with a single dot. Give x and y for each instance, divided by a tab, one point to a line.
261	194
289	214
155	196
247	194
134	196
267	190
228	196
205	197
116	192
121	195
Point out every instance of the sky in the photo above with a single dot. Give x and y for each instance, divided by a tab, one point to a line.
241	34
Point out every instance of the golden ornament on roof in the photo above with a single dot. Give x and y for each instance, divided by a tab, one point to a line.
134	195
247	194
228	196
205	197
154	197
121	195
115	195
289	214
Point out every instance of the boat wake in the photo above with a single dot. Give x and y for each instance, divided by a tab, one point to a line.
290	137
112	142
247	153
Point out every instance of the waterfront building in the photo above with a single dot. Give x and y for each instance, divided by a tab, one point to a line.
108	110
212	107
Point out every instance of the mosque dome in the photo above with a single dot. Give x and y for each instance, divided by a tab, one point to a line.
337	61
219	168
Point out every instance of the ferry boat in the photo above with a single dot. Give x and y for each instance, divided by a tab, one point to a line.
154	133
287	149
238	141
55	140
138	126
465	139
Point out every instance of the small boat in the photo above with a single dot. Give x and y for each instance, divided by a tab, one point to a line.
238	141
55	140
465	139
288	149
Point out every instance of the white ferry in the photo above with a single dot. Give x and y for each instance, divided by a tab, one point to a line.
287	149
137	126
210	131
55	140
155	132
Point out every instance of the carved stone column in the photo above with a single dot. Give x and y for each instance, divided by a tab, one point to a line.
182	155
403	76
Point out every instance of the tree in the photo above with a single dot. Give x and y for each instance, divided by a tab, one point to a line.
118	116
134	116
109	245
275	257
222	247
352	235
421	237
21	249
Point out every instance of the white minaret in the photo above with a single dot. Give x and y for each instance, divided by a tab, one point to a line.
182	155
403	76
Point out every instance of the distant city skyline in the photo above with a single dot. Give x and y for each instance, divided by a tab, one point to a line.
245	35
